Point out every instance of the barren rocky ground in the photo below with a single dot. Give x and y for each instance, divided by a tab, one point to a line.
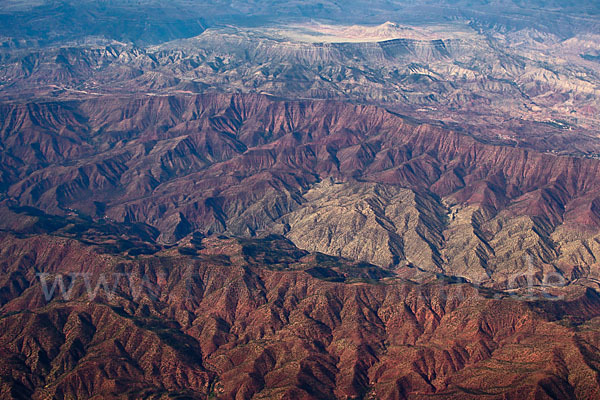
299	200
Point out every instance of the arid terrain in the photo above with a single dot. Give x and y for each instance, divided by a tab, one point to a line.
526	88
299	200
232	318
345	180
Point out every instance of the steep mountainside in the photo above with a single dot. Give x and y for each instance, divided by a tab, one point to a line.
354	181
230	318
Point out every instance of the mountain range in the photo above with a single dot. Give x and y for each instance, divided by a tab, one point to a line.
299	200
527	88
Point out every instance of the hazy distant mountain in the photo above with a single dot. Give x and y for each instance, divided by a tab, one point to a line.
129	21
152	21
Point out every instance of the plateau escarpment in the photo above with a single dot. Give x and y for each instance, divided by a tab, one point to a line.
526	87
350	180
